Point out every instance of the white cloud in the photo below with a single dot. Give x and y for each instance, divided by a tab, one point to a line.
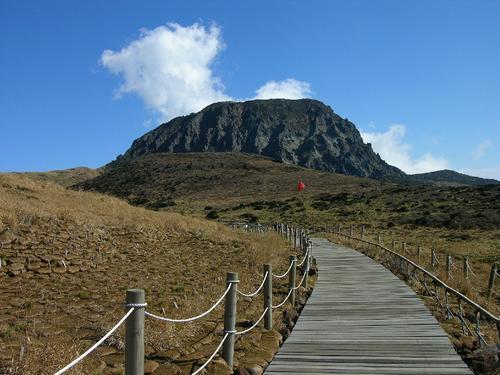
169	67
287	89
482	148
392	148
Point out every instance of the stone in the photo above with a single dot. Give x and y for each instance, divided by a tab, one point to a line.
166	355
303	132
219	367
15	269
150	366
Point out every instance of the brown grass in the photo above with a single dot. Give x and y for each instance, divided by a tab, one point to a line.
180	261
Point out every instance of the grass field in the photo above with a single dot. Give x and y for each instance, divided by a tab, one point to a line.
68	257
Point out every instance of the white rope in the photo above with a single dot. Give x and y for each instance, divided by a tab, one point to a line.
258	290
255	325
194	317
304	259
286	298
301	281
212	356
92	348
472	272
286	273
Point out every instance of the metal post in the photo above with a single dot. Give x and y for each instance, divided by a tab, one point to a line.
268	296
419	250
291	280
134	333
350	230
446	305
448	266
491	281
379	239
305	268
393	245
466	267
433	258
230	317
362	232
478	329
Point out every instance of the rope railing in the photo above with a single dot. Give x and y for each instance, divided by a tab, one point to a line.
134	330
187	320
93	347
476	308
283	275
253	326
212	356
249	295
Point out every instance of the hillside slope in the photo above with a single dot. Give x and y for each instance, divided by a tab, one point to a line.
190	181
302	132
448	177
67	257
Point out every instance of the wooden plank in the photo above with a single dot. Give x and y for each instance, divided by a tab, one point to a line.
362	319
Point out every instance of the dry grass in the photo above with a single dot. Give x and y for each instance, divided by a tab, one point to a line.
110	246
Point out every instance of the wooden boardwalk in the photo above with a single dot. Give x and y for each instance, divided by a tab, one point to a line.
361	319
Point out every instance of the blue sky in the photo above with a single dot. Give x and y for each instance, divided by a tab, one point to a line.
420	79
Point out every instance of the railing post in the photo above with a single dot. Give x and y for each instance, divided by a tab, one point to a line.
466	267
230	317
448	266
419	250
394	245
305	268
291	280
134	333
491	281
404	247
268	297
362	232
433	259
379	239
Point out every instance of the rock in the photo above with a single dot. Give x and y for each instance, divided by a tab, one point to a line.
485	360
303	132
15	269
166	355
219	367
251	370
168	369
150	366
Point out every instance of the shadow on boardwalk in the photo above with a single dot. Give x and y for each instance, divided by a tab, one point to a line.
361	319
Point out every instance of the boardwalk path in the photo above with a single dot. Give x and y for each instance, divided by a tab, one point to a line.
361	319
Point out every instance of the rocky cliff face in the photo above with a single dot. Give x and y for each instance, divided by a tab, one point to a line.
302	132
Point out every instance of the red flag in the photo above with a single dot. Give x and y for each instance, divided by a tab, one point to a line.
300	186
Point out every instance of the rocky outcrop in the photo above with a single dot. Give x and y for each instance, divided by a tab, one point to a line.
302	132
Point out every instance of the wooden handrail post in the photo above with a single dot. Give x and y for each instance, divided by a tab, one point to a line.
268	296
466	267
134	333
448	266
306	265
491	281
230	317
291	280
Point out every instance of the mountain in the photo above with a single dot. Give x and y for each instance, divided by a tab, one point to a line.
448	177
302	132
